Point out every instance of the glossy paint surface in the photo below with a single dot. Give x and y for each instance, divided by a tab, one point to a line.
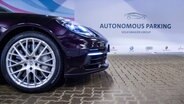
82	55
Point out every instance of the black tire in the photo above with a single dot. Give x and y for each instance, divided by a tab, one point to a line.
2	80
57	74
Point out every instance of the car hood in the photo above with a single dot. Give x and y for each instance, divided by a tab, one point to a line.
45	18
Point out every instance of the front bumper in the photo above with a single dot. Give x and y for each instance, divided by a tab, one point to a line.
93	62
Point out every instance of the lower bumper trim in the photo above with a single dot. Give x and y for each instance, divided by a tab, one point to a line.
103	67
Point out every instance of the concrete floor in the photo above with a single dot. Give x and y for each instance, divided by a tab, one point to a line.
130	79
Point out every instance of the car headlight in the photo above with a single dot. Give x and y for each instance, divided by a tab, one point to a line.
75	27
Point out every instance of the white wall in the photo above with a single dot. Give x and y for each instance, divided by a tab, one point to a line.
93	13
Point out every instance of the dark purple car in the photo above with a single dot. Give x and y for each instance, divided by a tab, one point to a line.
38	51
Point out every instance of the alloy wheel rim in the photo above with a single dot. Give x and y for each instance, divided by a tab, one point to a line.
30	62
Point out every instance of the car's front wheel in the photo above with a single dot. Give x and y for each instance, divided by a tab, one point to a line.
31	62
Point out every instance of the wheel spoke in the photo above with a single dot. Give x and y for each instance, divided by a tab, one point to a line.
18	71
20	55
44	54
34	50
28	80
12	61
42	70
23	48
33	44
34	79
44	74
37	77
24	78
41	53
14	54
45	64
48	60
27	45
19	63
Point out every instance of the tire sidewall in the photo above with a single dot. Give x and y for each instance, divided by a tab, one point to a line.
58	69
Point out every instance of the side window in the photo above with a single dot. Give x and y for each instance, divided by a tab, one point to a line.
3	10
